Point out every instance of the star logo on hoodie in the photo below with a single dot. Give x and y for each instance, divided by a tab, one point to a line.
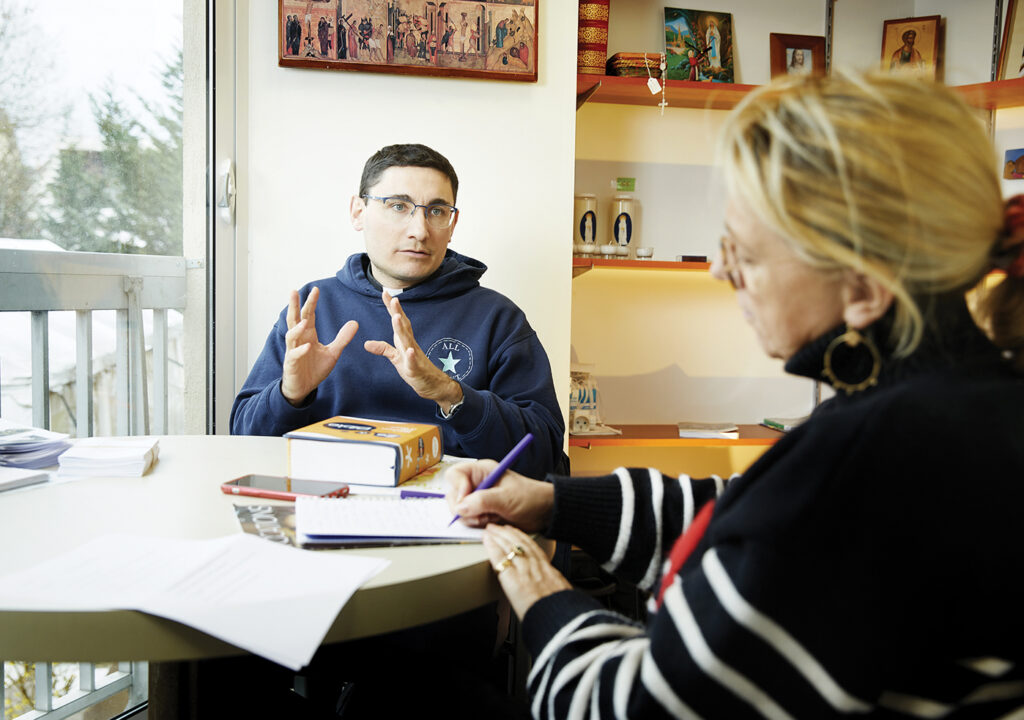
453	356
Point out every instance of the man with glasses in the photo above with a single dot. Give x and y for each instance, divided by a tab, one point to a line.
474	366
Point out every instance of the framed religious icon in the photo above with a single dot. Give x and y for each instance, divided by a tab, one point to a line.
1011	49
797	54
913	45
699	45
493	40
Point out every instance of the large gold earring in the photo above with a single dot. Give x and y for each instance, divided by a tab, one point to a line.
854	339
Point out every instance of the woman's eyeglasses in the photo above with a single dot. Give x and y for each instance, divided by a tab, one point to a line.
727	253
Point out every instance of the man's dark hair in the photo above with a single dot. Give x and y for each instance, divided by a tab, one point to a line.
409	155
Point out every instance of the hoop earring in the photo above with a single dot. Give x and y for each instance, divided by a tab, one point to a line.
853	339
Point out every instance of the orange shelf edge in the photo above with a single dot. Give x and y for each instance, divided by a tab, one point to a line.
993	95
588	263
668	436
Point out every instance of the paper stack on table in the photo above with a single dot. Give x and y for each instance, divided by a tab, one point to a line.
119	456
29	447
11	477
274	601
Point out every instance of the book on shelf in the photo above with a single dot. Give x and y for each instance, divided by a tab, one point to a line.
783	424
377	520
362	451
708	430
117	456
24	446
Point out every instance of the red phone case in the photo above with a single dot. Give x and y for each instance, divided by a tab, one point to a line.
230	489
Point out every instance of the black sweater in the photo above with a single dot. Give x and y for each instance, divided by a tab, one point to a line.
869	563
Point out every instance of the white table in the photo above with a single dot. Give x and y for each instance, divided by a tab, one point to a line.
180	497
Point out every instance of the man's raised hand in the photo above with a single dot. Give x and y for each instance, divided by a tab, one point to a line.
307	362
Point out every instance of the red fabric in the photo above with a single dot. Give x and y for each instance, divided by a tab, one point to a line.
685	545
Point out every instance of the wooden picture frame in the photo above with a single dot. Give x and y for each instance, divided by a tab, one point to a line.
699	45
913	45
446	38
789	54
1011	47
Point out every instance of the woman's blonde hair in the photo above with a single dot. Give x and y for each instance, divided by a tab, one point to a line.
885	175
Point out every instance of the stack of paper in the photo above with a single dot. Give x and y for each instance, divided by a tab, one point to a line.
121	456
29	447
708	430
11	478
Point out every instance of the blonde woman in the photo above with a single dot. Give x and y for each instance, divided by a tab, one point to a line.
869	563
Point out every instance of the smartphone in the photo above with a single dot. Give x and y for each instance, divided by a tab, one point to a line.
283	488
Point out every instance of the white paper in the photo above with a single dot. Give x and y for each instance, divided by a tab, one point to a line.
110	456
274	601
370	516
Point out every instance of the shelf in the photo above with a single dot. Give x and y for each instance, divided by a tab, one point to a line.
582	265
993	95
668	436
679	93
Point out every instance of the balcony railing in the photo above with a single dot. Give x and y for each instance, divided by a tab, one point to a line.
41	282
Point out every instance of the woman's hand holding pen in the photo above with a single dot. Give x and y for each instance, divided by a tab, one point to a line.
523	567
516	499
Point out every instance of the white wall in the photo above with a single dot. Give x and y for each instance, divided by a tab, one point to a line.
309	132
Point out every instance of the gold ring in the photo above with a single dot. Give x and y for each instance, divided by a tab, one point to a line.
503	565
517	550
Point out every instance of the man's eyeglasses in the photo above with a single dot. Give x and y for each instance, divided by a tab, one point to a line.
399	210
727	253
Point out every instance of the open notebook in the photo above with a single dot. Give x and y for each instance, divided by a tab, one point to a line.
366	519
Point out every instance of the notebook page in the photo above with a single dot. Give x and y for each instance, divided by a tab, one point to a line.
378	516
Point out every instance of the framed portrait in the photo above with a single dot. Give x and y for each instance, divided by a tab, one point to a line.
492	40
1011	48
1013	164
913	45
797	54
699	45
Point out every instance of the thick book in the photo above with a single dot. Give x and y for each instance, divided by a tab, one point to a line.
361	451
708	430
377	520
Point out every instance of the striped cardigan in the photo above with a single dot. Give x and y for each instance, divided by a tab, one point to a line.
868	564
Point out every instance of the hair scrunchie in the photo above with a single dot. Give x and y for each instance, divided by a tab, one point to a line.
1008	254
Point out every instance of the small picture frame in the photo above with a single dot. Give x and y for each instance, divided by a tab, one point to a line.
796	54
1013	164
1011	49
913	46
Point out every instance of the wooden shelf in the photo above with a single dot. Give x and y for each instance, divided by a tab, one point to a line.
994	95
582	265
668	436
679	93
724	96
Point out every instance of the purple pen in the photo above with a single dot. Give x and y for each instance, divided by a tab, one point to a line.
503	466
420	494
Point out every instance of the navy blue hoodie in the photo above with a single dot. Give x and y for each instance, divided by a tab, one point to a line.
476	335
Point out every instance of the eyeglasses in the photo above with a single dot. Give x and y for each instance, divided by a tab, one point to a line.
399	210
727	255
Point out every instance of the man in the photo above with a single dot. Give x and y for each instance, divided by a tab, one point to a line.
907	56
479	370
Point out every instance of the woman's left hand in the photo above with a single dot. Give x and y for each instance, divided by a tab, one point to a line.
524	571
